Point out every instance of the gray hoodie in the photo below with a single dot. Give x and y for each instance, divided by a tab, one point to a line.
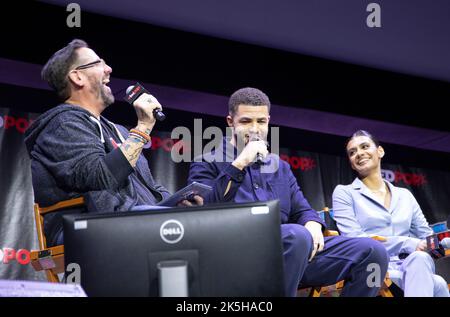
73	154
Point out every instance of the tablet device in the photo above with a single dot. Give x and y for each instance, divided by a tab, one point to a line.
187	192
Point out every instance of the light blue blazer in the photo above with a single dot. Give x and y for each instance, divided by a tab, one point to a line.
358	214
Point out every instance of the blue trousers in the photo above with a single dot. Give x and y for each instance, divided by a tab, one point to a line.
342	259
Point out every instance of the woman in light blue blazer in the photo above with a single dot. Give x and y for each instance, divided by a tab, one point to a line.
372	206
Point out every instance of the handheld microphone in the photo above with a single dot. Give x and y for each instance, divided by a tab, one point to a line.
259	156
436	248
134	92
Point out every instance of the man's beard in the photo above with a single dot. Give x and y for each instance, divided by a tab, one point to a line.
106	96
101	91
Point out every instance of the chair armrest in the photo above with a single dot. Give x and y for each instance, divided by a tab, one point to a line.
48	259
75	202
330	233
379	238
53	251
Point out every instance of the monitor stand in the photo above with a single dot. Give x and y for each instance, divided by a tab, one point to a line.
173	278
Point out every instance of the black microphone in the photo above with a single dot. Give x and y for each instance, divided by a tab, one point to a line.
134	92
435	248
259	156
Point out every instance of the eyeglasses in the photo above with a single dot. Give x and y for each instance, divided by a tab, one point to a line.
91	64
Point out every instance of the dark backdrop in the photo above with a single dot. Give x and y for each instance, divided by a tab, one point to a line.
32	31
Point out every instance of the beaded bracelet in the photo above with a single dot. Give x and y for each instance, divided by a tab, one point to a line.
138	137
142	134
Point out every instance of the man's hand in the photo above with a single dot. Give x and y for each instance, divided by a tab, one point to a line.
315	229
248	154
197	201
422	245
144	107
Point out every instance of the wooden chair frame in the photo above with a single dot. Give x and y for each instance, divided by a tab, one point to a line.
317	291
51	260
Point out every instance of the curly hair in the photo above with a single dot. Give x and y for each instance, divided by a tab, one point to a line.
247	96
57	67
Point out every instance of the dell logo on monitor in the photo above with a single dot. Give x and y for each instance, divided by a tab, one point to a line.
171	231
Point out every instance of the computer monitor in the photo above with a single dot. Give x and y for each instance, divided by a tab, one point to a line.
229	250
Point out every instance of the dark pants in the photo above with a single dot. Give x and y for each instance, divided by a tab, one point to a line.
342	259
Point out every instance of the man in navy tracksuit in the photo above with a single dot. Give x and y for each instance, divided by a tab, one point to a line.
310	259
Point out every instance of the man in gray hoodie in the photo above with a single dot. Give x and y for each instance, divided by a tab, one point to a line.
76	152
